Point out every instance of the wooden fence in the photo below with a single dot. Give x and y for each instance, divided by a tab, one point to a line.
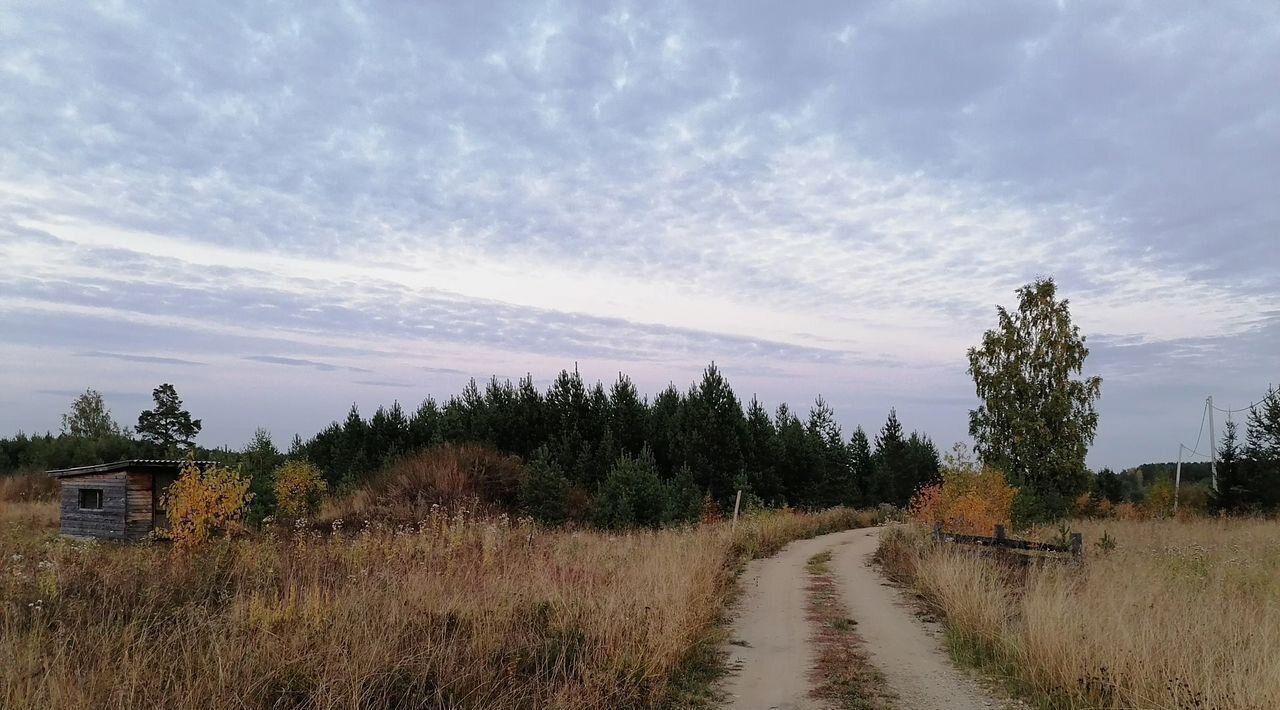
1075	549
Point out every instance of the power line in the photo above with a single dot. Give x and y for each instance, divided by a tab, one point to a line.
1270	395
1204	414
1188	449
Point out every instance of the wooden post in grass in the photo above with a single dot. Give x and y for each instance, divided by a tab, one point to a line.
1077	544
999	534
937	532
736	504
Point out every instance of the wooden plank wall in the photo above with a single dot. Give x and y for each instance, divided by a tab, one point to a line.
108	522
139	518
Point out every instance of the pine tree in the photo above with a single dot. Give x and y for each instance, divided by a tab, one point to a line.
760	455
664	420
863	464
798	460
504	427
168	426
567	403
351	463
1264	428
628	416
424	425
711	431
388	434
531	416
923	465
1233	494
889	464
544	494
258	462
835	476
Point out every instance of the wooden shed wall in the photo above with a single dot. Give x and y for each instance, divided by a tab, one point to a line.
139	511
108	522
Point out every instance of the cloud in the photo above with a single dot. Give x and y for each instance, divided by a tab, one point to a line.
149	359
299	362
444	371
838	189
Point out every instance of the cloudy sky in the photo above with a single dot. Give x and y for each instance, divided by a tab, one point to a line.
286	208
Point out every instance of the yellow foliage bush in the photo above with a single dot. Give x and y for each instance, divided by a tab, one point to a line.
1129	511
1159	502
971	499
299	489
207	503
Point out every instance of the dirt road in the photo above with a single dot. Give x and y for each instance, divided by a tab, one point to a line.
771	653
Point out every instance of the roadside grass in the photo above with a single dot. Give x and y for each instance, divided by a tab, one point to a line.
844	675
458	610
1179	614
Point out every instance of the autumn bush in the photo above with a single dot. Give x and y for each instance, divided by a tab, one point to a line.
459	610
971	499
206	503
408	490
299	489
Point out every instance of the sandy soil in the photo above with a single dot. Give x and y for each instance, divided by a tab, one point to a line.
907	650
770	652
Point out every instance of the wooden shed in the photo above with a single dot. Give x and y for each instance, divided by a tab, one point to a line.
119	501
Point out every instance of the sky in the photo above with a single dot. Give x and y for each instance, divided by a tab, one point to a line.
287	208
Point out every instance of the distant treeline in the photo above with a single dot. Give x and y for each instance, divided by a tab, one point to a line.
704	436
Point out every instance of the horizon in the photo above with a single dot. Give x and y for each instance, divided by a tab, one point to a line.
282	211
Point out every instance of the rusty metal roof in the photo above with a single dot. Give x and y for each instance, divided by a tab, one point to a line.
124	465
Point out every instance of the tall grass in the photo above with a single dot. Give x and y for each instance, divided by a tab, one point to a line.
20	487
454	611
1179	614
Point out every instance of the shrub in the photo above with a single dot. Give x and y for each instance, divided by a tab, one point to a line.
684	502
298	488
632	495
545	491
971	499
405	491
1129	511
1159	503
204	504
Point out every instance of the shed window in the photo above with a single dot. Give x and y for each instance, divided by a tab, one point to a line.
91	499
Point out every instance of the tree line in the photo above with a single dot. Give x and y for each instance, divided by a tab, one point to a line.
91	435
704	439
704	436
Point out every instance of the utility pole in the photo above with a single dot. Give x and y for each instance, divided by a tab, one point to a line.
1213	446
1177	478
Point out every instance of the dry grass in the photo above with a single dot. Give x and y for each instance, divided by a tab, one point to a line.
27	518
844	675
1179	615
457	611
26	487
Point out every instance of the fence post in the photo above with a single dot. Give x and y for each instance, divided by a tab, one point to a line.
937	532
736	504
1077	544
999	534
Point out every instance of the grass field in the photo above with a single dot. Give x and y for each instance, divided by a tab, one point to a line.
1177	615
458	611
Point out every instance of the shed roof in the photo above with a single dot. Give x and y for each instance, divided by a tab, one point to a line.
154	464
